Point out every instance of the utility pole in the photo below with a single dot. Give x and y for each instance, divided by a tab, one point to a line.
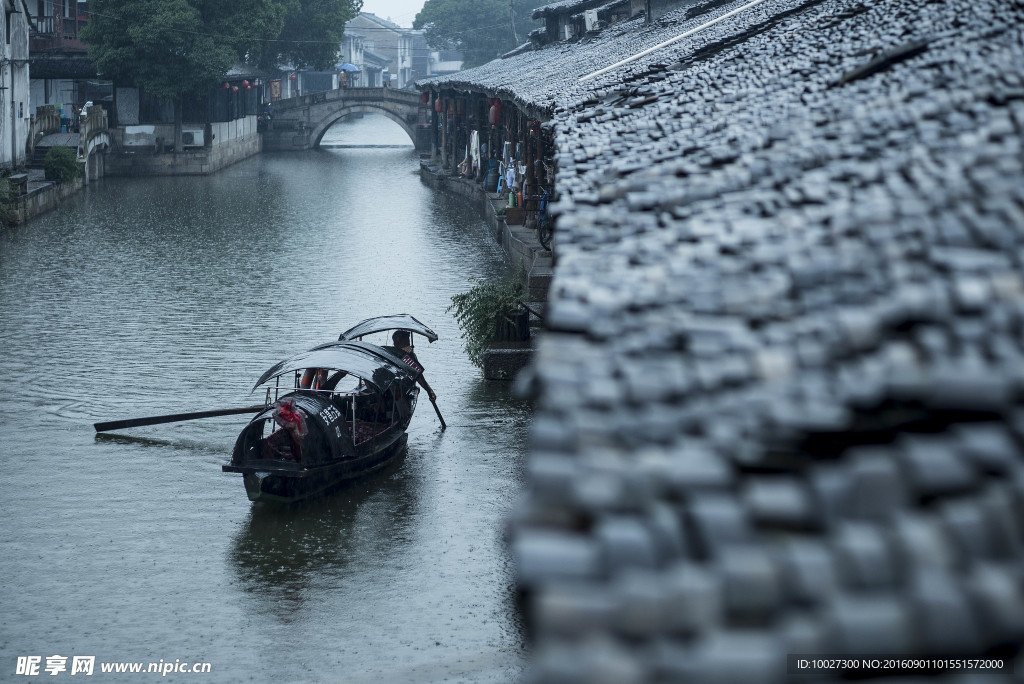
512	16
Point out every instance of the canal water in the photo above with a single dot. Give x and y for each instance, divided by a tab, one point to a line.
153	296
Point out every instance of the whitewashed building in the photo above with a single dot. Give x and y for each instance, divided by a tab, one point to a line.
15	114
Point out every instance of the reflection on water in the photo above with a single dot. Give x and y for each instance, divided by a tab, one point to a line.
282	550
153	296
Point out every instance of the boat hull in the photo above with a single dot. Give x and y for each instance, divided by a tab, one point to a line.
264	482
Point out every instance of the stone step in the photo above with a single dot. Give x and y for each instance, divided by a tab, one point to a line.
39	155
503	363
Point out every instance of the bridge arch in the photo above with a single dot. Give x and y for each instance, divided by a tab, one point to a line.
334	117
299	123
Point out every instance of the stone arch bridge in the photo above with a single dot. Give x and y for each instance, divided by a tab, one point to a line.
299	123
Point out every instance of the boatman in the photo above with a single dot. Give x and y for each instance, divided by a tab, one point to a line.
403	349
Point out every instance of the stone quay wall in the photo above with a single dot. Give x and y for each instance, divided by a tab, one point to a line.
524	254
779	400
42	198
232	142
518	243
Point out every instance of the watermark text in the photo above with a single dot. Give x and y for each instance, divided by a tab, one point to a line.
34	666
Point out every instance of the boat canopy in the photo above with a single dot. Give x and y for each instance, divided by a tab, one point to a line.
382	323
386	353
367	362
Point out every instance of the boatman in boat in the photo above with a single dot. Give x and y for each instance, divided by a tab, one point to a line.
403	349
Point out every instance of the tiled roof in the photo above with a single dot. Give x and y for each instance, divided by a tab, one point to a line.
548	78
567	6
779	407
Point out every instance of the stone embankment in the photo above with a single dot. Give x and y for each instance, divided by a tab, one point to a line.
37	195
525	256
134	153
780	397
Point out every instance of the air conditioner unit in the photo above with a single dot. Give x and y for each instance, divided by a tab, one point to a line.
590	19
192	137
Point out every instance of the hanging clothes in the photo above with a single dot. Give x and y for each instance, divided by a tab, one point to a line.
510	175
474	148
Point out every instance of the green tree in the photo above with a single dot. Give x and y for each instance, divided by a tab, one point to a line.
175	48
312	33
480	29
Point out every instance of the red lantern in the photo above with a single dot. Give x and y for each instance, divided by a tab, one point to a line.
234	89
245	83
292	77
248	88
226	85
437	105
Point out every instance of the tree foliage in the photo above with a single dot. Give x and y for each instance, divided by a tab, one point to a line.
311	35
174	48
480	29
478	309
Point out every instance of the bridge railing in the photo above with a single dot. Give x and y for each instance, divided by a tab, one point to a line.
408	96
45	120
93	124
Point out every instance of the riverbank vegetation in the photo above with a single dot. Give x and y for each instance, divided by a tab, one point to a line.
61	165
485	308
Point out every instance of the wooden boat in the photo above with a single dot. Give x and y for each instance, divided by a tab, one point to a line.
309	439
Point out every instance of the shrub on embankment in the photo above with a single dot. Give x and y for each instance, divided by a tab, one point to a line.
483	309
61	165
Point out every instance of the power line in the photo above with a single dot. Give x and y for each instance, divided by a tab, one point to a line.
354	30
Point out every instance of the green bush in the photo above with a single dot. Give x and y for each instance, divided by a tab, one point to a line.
61	165
478	310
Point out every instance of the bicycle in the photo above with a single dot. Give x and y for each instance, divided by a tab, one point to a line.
545	225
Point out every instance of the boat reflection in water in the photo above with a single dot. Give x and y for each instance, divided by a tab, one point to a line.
283	556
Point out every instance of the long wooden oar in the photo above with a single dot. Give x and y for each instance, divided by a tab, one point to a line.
172	418
438	412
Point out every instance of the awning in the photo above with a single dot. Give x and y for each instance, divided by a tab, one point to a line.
367	362
382	323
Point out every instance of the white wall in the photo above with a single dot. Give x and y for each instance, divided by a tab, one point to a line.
15	98
144	135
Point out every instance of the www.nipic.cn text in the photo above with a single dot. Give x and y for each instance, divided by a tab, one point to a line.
32	666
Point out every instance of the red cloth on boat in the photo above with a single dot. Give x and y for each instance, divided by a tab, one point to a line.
287	417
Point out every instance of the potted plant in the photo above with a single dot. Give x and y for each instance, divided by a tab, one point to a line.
491	312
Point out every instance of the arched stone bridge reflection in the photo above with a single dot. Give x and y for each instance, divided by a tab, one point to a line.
299	123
